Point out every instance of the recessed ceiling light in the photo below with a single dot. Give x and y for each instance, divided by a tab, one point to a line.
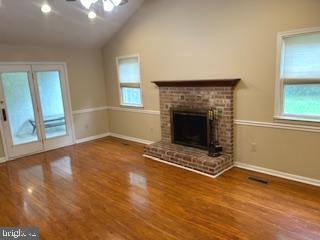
46	8
92	15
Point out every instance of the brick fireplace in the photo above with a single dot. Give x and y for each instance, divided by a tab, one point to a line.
195	97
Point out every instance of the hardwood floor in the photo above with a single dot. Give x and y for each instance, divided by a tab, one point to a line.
105	189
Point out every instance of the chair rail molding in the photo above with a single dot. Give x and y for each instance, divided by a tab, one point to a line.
135	110
88	110
121	109
292	127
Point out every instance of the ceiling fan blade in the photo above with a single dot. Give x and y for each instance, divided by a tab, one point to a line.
122	2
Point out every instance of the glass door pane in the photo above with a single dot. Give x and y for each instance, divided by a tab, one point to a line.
19	106
51	101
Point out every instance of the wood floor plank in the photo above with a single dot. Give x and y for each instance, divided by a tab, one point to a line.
105	189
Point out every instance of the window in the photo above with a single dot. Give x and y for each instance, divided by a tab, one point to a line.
129	81
298	86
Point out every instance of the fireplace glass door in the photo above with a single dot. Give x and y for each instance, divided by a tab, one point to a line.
190	128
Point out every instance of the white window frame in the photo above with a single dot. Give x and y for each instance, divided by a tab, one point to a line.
131	85
279	84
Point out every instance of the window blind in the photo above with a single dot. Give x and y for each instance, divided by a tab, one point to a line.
301	57
129	70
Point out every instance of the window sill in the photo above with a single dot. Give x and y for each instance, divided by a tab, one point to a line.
297	120
131	106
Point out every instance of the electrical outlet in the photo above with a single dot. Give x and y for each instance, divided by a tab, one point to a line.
253	147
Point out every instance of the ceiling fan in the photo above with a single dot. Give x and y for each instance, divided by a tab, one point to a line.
93	5
116	2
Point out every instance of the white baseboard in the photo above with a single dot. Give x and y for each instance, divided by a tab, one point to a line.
91	138
95	137
133	139
185	168
276	173
116	135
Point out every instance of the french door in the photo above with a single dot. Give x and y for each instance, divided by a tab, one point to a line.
35	108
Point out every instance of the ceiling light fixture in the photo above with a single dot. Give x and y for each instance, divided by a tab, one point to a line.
87	3
116	2
92	15
108	5
45	8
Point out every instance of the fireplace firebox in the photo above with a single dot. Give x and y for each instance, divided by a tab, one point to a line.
190	128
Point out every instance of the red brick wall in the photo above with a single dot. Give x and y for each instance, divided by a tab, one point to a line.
199	98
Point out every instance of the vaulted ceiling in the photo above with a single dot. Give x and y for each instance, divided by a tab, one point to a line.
22	22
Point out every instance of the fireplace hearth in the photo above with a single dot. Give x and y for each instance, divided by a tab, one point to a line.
189	131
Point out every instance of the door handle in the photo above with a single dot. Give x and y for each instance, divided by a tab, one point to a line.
4	114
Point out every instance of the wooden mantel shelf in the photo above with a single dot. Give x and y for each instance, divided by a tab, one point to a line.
199	83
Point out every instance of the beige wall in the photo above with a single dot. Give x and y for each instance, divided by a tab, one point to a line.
91	124
143	126
86	80
187	39
283	150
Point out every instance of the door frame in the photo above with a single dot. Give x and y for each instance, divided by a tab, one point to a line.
68	99
30	146
55	142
